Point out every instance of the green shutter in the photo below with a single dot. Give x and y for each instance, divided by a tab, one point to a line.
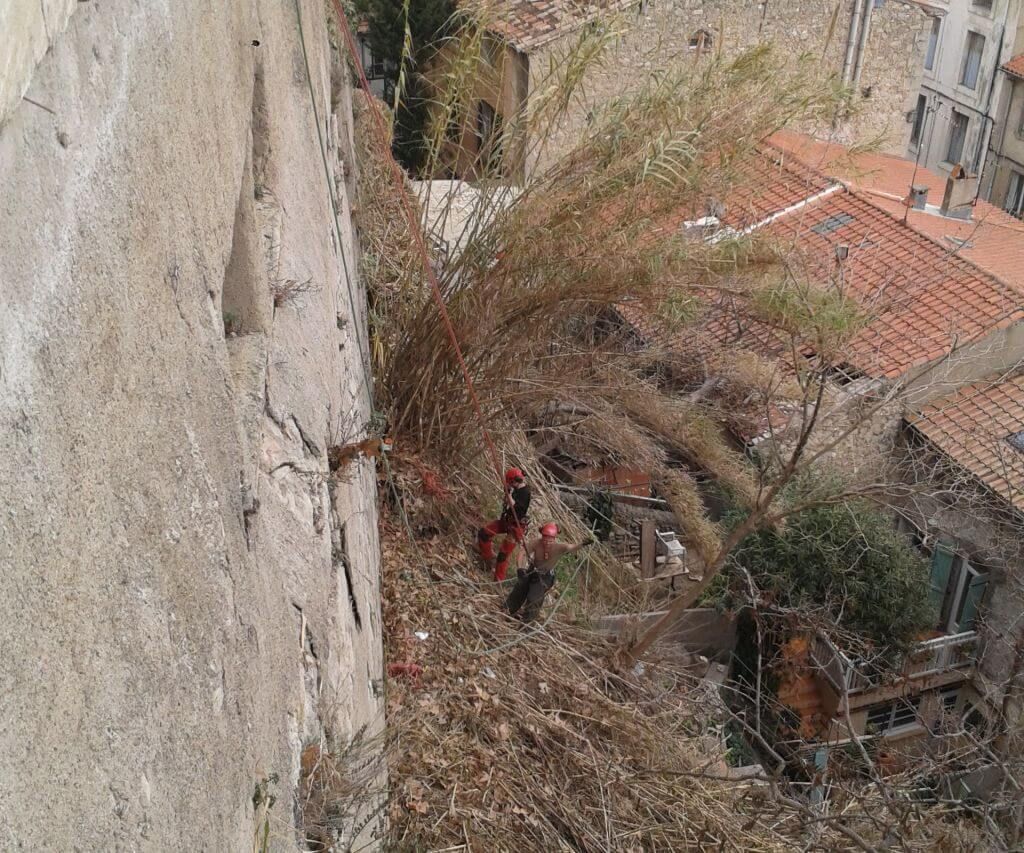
942	563
972	601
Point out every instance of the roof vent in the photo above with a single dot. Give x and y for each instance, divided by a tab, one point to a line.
918	197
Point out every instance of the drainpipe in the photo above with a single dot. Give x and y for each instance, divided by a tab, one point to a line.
862	46
990	123
1002	146
851	40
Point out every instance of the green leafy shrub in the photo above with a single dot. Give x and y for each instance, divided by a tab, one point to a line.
845	558
428	22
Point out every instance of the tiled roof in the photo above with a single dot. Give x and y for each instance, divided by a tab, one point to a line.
1015	66
992	239
769	184
755	416
971	426
759	188
530	24
921	299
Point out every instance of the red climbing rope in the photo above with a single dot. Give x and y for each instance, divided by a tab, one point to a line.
414	227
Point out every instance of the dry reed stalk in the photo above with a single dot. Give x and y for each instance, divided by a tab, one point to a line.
578	237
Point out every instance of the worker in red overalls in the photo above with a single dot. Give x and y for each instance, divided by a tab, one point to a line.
512	524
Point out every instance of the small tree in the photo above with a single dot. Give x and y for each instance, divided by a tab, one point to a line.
845	560
405	34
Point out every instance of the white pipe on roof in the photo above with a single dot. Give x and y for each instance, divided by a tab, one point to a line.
768	220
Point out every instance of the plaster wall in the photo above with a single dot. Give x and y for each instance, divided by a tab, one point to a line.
945	93
985	531
499	79
1008	146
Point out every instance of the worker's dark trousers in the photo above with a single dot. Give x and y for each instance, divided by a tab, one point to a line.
528	593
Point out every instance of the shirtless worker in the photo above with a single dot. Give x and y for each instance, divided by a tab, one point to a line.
533	582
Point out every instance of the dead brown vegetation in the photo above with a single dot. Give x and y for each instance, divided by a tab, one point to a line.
511	738
599	758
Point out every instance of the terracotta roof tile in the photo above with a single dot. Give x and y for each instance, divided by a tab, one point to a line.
922	298
530	24
1015	66
994	238
971	426
751	420
760	187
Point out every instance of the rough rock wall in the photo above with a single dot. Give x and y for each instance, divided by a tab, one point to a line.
186	598
28	27
657	35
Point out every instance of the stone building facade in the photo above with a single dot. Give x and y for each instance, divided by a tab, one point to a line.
962	87
660	33
188	599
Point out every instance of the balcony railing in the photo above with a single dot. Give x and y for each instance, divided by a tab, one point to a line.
930	657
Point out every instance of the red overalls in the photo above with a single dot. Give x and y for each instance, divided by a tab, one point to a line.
512	524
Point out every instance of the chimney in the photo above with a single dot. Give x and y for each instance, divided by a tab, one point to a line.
961	190
918	197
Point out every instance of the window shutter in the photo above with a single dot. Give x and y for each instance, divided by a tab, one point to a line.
942	563
972	601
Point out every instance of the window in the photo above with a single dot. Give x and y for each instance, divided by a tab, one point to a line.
984	5
917	538
972	59
919	113
946	701
893	715
485	123
1014	205
933	44
701	41
1020	123
957	137
975	720
372	64
948	697
956	588
488	134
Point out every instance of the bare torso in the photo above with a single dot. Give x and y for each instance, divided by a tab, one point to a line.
544	555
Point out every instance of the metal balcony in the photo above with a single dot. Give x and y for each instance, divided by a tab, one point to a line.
850	677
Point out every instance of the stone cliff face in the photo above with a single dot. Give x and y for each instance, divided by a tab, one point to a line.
187	598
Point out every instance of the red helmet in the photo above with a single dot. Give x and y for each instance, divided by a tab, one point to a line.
550	529
513	474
